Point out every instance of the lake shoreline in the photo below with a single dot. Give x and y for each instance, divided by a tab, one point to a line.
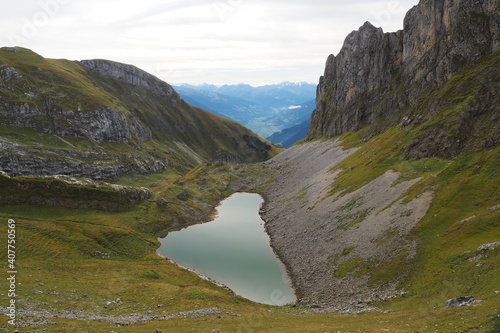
291	277
268	279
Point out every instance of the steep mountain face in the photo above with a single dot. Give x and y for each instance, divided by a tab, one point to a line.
379	78
101	119
402	201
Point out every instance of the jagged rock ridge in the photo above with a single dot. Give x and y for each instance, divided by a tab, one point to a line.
133	76
344	222
376	77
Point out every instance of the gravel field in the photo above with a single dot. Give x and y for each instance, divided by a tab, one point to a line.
314	232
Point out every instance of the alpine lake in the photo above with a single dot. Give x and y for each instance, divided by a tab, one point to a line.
233	250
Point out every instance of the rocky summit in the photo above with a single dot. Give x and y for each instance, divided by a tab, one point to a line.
382	79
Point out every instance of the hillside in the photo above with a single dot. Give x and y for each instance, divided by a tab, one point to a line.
393	200
287	137
102	120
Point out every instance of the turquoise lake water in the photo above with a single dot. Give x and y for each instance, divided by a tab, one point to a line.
234	250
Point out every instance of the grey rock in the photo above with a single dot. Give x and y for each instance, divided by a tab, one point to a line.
132	75
161	202
184	195
460	301
489	246
376	75
133	194
13	50
224	156
7	74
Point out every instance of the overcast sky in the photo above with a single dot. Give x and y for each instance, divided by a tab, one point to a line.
197	41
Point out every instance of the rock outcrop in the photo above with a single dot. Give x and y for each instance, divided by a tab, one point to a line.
7	74
17	160
134	76
70	192
460	301
377	77
101	125
224	156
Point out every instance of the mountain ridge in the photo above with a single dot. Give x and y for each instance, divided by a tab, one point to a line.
377	77
399	119
102	109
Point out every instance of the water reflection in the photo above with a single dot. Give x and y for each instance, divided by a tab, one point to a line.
234	250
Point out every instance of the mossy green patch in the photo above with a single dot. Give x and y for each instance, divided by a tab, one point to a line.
351	265
350	220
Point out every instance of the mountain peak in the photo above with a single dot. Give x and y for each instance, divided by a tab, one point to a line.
376	77
132	75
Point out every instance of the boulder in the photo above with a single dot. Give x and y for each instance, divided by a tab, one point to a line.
460	301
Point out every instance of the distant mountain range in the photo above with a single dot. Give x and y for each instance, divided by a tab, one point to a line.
266	109
287	137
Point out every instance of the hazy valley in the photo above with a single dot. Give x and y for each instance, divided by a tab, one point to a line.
279	112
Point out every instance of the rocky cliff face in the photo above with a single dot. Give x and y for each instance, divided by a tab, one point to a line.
377	77
133	76
101	125
17	160
366	64
351	225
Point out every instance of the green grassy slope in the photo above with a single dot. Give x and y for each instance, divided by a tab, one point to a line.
104	262
61	92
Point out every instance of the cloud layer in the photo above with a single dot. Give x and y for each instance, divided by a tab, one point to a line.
196	41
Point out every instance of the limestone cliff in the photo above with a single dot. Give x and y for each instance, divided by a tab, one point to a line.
134	76
380	212
378	77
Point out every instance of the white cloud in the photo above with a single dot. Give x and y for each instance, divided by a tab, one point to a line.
195	41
